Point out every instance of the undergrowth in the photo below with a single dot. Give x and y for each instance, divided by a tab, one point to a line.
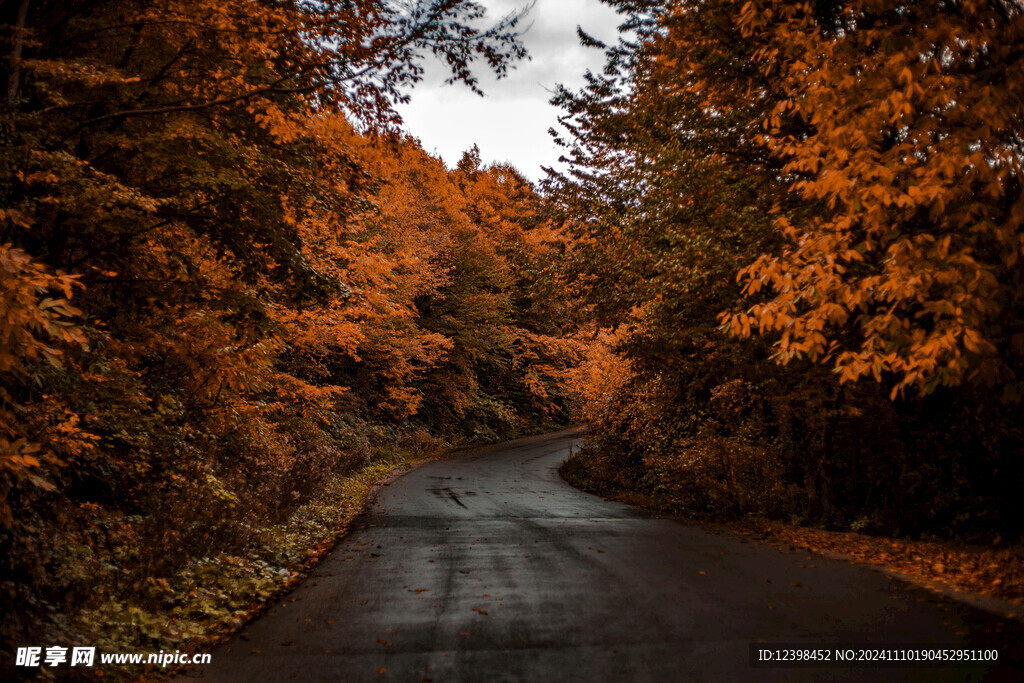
210	597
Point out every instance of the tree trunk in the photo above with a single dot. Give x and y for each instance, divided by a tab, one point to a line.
17	42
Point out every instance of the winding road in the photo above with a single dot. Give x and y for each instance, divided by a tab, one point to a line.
488	567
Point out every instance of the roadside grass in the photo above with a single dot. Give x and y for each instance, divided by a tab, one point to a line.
213	597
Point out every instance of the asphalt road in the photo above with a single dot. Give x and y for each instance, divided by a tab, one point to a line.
488	567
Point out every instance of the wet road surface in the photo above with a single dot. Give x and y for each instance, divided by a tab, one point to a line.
488	567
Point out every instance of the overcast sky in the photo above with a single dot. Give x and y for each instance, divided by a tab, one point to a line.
510	123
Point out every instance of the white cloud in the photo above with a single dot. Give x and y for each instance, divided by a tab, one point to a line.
511	122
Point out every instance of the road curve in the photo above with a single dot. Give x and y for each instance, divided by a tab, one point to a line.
488	567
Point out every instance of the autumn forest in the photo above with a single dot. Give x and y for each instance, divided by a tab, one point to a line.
779	276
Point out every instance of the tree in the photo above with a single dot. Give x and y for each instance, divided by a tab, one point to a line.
669	192
902	123
245	274
33	326
858	165
191	162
